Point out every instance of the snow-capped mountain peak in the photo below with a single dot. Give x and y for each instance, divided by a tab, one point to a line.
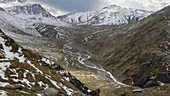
26	17
34	13
32	9
110	15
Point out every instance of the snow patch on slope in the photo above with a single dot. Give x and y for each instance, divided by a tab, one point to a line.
11	55
3	93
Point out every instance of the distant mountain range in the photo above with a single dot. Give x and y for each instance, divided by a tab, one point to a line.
110	15
33	19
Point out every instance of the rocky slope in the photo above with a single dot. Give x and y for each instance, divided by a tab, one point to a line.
25	18
23	72
35	13
110	15
16	25
137	54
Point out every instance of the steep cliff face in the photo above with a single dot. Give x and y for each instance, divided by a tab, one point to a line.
31	73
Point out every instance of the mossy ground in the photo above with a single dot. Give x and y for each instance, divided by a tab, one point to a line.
93	81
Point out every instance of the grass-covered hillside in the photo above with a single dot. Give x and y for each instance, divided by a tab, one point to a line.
138	53
23	72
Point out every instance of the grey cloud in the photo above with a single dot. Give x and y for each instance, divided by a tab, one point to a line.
164	4
72	5
133	4
67	6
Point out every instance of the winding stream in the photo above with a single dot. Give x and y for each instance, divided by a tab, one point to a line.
84	60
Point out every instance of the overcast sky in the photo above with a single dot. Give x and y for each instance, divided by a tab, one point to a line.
66	6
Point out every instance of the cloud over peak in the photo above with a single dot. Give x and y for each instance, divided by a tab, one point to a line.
59	7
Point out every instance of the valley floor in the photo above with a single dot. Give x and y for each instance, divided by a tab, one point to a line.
51	50
90	79
93	81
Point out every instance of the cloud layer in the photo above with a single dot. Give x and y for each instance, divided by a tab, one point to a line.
66	6
152	5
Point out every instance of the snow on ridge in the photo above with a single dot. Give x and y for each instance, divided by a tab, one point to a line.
11	55
3	67
9	21
34	13
59	85
47	61
68	90
32	65
109	15
9	3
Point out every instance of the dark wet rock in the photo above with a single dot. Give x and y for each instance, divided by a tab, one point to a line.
95	93
78	93
18	86
1	9
156	80
14	87
80	85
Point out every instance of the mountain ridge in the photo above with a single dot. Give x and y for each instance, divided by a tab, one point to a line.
26	17
109	15
35	13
